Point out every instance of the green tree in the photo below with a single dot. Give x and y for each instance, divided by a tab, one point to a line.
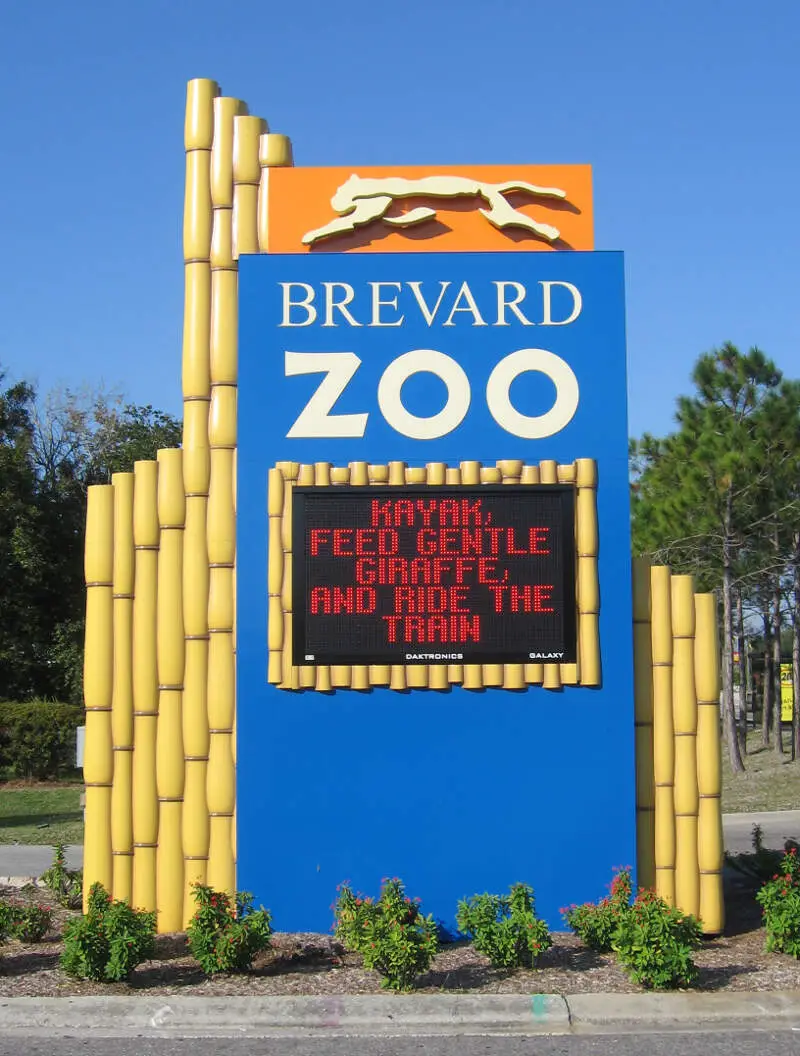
50	452
703	494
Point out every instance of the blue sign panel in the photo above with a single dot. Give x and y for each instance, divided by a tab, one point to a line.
418	385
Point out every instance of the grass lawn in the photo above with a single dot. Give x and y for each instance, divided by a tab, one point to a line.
770	782
45	814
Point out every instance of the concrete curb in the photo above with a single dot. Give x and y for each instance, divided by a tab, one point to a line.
396	1015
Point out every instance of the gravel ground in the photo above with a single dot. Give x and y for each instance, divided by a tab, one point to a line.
317	964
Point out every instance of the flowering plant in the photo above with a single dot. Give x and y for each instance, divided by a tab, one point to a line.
654	942
26	923
390	933
779	899
505	927
109	941
225	934
595	923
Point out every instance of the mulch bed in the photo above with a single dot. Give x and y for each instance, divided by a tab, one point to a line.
317	964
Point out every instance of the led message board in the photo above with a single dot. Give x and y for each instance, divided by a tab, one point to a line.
433	574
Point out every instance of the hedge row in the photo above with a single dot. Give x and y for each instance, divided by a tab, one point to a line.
37	738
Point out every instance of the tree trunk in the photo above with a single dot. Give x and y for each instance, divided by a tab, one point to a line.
729	719
741	669
776	648
768	687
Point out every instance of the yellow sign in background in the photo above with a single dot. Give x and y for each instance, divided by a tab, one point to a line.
787	693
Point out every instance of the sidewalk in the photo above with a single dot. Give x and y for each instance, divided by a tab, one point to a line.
395	1015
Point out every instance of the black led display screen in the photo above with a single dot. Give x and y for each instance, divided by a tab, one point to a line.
404	575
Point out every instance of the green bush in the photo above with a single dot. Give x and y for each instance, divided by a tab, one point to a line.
654	943
390	933
28	923
225	935
595	923
505	927
66	884
779	899
109	941
37	739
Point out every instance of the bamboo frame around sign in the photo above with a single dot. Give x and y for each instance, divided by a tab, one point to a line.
282	673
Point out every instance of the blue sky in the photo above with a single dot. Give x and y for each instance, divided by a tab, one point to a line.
687	111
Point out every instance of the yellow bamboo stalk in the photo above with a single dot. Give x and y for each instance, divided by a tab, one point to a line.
98	676
199	142
588	577
643	721
663	731
274	151
171	659
684	717
709	764
122	698
247	132
289	471
275	672
221	540
145	684
570	673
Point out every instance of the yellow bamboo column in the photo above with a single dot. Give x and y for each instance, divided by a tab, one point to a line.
663	730
198	141
98	765
220	783
588	577
145	685
122	699
275	672
247	132
291	677
684	716
307	673
274	151
570	673
643	721
709	764
170	657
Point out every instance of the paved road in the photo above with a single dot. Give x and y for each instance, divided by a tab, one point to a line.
776	1043
778	826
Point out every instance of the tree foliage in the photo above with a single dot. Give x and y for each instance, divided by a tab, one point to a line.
51	450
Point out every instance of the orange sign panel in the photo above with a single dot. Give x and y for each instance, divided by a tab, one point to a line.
443	209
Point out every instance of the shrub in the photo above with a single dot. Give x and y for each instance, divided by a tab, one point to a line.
595	923
779	899
109	941
224	934
66	884
28	923
654	942
390	933
505	927
37	739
